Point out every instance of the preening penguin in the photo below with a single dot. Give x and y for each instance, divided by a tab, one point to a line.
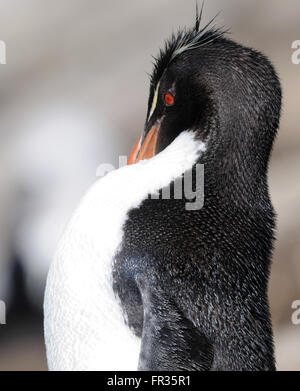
140	282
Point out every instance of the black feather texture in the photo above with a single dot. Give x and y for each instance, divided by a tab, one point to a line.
184	40
194	284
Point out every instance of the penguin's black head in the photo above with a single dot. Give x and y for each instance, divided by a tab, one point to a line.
229	95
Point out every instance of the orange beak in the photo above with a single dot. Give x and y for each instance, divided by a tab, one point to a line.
147	149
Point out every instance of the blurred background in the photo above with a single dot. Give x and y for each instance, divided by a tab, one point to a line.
73	94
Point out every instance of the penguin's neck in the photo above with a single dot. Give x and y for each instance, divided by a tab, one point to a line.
235	172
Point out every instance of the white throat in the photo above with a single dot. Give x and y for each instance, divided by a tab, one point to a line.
84	324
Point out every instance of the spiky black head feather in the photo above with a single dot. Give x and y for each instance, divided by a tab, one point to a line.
227	93
184	40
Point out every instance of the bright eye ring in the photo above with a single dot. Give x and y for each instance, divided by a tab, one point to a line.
169	99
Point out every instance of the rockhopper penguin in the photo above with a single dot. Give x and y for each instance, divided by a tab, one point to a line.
141	282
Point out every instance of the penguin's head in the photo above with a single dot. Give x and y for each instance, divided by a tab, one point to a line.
225	93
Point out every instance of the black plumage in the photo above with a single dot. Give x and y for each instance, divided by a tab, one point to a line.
193	284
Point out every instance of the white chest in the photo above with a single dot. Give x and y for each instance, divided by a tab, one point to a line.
84	324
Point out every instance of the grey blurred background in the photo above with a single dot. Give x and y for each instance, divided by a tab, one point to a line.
73	95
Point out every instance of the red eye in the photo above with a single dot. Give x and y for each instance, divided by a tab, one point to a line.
169	99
